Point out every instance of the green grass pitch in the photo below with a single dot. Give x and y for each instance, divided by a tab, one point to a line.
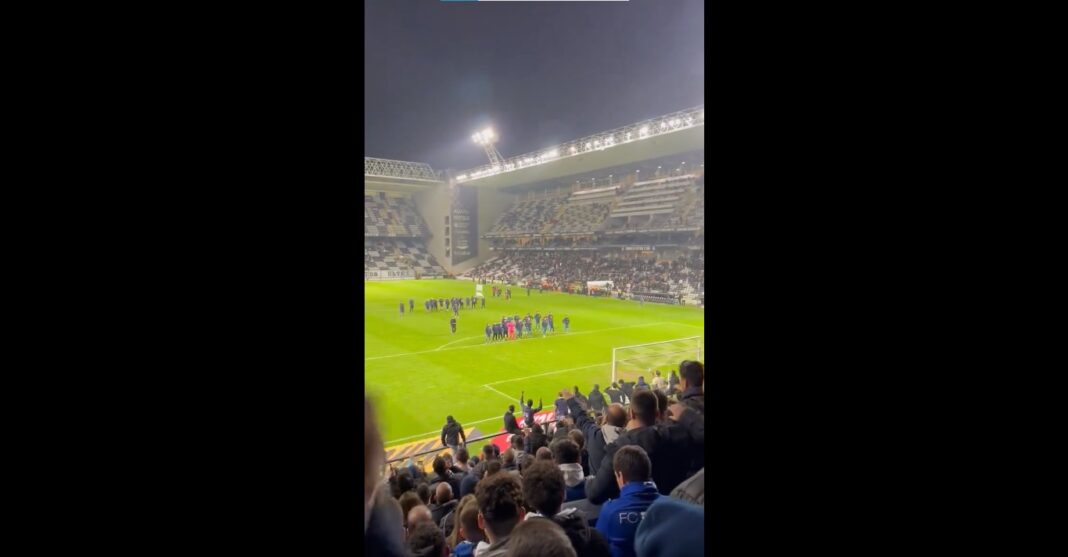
418	372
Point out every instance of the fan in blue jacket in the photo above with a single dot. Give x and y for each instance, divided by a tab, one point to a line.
619	518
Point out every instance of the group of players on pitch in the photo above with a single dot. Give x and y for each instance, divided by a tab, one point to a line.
514	328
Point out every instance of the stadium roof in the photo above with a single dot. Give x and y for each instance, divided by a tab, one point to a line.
400	176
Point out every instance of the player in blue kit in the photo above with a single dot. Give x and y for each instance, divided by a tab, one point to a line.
489	332
452	323
567	323
402	308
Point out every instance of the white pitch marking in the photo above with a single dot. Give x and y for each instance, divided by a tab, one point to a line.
543	374
484	345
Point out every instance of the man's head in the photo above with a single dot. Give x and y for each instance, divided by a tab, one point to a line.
596	386
516	441
693	373
540	538
544	453
426	540
419	513
631	464
536	428
643	408
489	452
440	468
508	457
661	403
511	408
616	415
492	467
500	505
641	379
615	385
408	501
530	402
423	491
449	420
543	488
525	461
577	436
468	523
565	451
462	457
443	493
658	373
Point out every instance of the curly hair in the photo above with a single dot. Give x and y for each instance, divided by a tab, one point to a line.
500	500
543	488
565	451
426	540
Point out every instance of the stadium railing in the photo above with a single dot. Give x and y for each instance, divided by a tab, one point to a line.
438	450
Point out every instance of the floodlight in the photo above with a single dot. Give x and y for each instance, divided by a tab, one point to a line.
573	149
587	144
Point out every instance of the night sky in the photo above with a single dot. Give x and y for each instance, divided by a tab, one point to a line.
540	72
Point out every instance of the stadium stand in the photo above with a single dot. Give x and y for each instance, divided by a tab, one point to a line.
527	217
395	239
657	460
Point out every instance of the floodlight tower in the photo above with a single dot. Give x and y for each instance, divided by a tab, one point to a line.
486	138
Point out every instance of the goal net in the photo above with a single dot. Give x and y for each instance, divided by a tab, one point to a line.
629	362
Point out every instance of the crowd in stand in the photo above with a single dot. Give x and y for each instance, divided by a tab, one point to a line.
608	480
558	269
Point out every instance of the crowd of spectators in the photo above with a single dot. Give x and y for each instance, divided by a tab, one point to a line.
630	274
604	479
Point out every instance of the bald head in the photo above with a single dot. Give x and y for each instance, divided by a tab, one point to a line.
616	415
419	513
443	493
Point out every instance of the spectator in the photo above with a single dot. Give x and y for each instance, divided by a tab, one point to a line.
543	491
492	467
596	399
443	474
562	427
584	456
692	490
673	383
468	531
402	482
671	528
540	538
517	443
560	407
693	380
408	501
544	453
383	519
536	439
661	405
668	446
641	384
510	424
566	457
615	394
500	505
467	484
427	541
658	382
628	390
599	437
529	410
423	491
620	517
444	503
452	435
462	460
418	514
508	461
525	461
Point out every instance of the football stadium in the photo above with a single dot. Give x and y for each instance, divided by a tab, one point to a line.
538	318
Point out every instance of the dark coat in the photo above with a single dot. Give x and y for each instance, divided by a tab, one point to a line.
669	447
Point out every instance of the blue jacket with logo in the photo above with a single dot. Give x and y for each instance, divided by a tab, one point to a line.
619	518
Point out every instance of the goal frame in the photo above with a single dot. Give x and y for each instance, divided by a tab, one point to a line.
699	349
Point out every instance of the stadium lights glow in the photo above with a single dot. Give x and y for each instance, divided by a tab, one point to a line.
573	149
663	125
485	136
587	144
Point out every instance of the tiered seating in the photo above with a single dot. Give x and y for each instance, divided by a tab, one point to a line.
393	217
400	255
585	211
527	217
653	197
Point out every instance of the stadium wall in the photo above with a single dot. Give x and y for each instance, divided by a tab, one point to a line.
434	205
492	203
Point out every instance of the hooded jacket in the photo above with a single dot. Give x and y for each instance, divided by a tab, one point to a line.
586	541
669	447
574	481
620	517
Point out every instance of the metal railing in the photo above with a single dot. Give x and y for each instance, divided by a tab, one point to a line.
386	168
442	449
645	129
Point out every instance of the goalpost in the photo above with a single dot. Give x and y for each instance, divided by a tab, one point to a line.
628	362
